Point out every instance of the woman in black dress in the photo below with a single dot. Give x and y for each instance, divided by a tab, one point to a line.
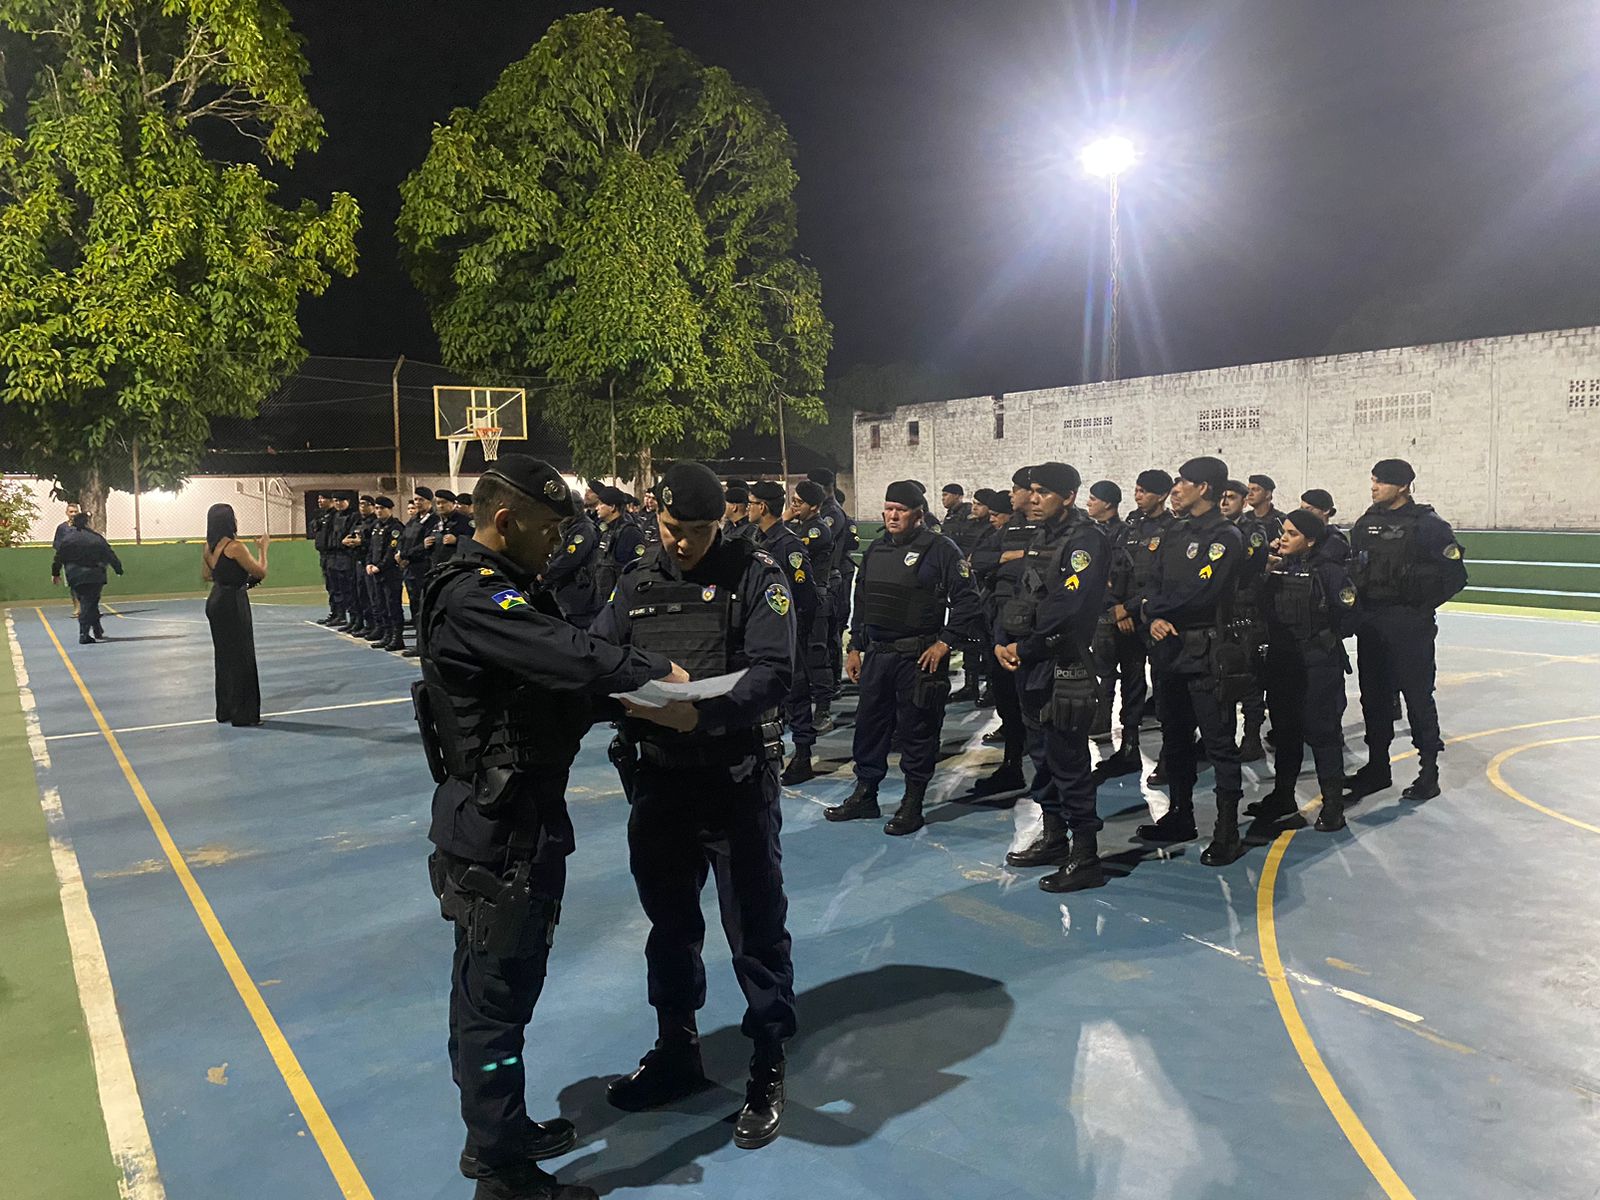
228	566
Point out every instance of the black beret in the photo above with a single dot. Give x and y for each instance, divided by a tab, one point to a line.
984	496
737	493
615	497
445	494
1318	498
1308	523
955	489
1002	503
466	497
1264	481
1236	486
423	493
1058	477
594	485
690	492
1107	492
907	492
1394	471
532	477
365	499
811	492
1206	470
1019	477
823	476
1155	481
382	502
769	492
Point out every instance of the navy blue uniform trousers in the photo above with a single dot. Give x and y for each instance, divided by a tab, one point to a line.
1395	653
1063	783
888	715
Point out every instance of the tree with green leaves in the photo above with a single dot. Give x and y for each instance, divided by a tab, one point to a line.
18	512
619	220
148	279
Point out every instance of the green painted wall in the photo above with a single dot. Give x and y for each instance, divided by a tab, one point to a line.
157	569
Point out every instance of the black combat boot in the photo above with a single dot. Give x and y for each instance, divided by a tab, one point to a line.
860	805
967	691
908	817
1268	813
995	736
1374	777
1331	818
541	1140
397	641
524	1181
822	718
1250	749
1050	849
1175	825
1226	845
378	634
1125	761
758	1121
1082	869
1158	777
798	769
331	619
1005	780
670	1072
1426	785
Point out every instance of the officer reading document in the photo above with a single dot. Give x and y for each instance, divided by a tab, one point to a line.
702	777
508	689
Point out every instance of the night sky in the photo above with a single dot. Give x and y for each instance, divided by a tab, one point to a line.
1317	175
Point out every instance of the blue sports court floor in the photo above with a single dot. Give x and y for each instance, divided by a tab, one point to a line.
1409	1009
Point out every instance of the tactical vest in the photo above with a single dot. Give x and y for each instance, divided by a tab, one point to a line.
606	568
892	596
1039	566
1014	535
1293	600
1385	562
1141	536
699	626
492	729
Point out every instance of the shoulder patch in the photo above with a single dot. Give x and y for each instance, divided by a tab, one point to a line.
778	599
1072	583
965	569
485	571
1080	560
1452	552
763	556
1347	597
510	598
638	550
1257	538
796	559
813	532
578	541
1153	544
828	521
1216	550
1194	548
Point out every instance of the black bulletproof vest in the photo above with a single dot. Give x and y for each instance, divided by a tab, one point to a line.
1291	600
1383	552
484	727
690	623
1137	536
1015	535
892	597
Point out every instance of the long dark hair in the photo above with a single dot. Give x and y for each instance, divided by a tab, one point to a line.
220	524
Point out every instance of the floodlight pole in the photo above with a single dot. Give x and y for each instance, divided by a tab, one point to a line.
394	386
783	449
1114	363
138	538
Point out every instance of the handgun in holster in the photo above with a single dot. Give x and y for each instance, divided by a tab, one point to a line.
506	909
624	756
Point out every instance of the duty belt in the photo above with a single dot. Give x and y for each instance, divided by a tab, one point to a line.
727	751
915	644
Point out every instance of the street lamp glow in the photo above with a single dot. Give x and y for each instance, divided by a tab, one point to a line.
1107	156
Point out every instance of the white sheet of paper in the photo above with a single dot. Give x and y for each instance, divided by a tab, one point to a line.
656	693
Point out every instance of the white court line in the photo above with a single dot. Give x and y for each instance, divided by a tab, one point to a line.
126	1130
1312	981
288	712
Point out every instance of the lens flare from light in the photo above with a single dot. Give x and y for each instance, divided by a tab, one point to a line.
1108	156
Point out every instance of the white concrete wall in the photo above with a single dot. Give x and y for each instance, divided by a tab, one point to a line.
1504	432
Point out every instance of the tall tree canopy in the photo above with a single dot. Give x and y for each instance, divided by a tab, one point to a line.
619	219
148	280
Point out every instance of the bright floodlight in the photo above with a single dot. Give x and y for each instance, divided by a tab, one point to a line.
1108	156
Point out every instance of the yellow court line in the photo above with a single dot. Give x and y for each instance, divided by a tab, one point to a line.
351	1185
1496	778
1289	1012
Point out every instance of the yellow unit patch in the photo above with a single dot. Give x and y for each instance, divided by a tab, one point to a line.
1071	583
1205	571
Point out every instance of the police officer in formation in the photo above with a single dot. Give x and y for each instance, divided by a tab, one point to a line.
508	690
1140	537
841	569
1320	502
354	532
702	779
964	529
817	537
1105	497
1200	674
386	577
914	601
620	541
317	533
1309	603
1043	637
784	544
1261	524
570	574
415	559
1406	562
736	522
998	562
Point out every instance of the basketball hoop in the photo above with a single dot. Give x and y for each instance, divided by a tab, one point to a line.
489	435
